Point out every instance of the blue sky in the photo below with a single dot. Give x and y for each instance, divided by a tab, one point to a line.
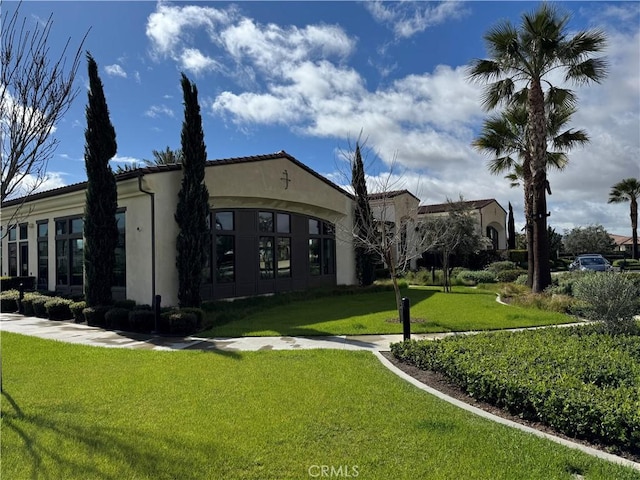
308	77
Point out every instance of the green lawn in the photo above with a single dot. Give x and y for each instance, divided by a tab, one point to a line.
77	412
369	313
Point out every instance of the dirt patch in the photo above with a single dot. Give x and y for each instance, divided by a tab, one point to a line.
441	383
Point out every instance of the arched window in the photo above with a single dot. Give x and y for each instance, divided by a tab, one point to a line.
492	233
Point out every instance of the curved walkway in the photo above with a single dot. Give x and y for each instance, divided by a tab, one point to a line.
82	334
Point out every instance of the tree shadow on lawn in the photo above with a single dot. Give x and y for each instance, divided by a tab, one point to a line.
295	321
96	451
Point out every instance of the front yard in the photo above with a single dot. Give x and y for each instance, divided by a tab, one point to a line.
374	313
77	412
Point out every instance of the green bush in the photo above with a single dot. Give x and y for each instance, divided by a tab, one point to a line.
629	263
142	320
506	276
58	308
517	256
13	283
9	301
198	312
117	319
474	277
501	266
178	322
126	304
577	380
522	279
39	308
95	316
76	309
27	303
611	298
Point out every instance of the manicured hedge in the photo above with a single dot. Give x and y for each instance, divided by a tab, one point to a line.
577	380
9	301
58	308
13	283
474	277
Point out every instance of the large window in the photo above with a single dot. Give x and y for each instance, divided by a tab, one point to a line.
322	248
69	252
120	267
225	247
43	255
274	245
18	250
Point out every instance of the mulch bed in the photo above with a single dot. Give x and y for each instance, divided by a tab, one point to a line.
441	383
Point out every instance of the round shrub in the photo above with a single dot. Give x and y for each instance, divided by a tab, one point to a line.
27	303
38	306
507	276
117	319
611	298
95	315
522	279
142	320
198	312
501	266
58	308
76	309
474	277
178	322
126	304
9	301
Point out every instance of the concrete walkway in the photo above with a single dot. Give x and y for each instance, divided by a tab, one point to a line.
70	332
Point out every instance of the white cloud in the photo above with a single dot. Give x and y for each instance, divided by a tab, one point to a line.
125	159
408	18
193	60
156	111
115	70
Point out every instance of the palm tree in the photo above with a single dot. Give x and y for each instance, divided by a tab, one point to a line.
521	60
628	190
165	157
505	136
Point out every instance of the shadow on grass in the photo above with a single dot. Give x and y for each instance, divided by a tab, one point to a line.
294	318
59	446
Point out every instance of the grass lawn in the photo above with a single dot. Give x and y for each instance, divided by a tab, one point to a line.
369	313
77	412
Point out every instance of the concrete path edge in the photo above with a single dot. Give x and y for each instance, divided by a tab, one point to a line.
489	416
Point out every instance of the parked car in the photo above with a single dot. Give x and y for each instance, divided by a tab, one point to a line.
592	261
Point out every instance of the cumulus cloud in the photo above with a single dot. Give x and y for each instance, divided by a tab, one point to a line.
408	18
156	111
115	70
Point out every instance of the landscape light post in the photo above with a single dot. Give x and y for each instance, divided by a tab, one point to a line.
406	319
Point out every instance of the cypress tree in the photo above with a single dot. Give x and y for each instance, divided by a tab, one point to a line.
100	226
193	202
363	229
511	228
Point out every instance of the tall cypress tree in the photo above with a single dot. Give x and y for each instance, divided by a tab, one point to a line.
193	202
365	267
511	229
100	226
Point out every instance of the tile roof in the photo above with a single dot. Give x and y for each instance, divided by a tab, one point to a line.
391	194
135	173
443	207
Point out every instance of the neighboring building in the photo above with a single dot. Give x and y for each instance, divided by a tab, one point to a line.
623	244
279	226
491	218
276	226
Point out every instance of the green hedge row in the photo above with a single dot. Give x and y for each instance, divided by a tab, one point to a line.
577	380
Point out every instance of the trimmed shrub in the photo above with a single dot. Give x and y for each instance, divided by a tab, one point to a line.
95	315
506	276
199	313
496	267
610	298
517	256
9	301
178	322
142	320
76	309
522	279
27	303
13	283
474	277
38	306
126	304
58	308
117	319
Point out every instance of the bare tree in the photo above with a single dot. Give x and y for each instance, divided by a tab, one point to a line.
36	90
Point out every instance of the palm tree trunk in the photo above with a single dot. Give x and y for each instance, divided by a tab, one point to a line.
634	228
528	215
537	147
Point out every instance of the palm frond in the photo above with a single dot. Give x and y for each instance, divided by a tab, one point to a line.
591	70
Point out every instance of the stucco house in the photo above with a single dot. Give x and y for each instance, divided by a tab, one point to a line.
276	226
